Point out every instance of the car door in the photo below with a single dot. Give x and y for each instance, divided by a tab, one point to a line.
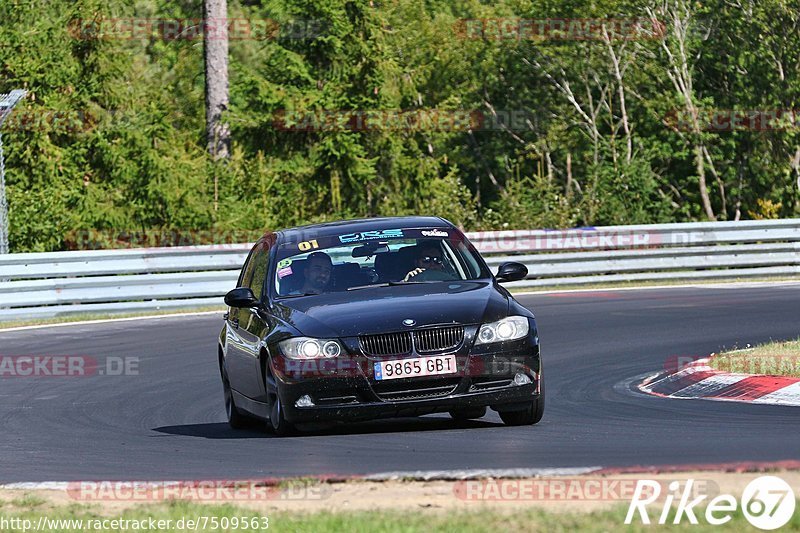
253	326
242	353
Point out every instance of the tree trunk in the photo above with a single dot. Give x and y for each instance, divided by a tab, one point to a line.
795	165
215	51
679	17
569	175
701	174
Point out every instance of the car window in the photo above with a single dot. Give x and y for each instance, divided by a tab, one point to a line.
247	269
260	262
342	262
470	262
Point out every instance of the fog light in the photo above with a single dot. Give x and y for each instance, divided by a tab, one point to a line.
306	401
521	379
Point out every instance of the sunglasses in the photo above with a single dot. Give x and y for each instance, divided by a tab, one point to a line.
428	259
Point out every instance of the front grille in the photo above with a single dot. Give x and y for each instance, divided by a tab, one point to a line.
417	395
428	340
415	389
438	339
386	343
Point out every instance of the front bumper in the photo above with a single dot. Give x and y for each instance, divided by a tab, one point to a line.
516	397
348	391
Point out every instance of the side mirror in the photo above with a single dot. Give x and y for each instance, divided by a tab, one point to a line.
241	297
511	271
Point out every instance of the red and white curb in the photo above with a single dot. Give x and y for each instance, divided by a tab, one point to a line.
698	380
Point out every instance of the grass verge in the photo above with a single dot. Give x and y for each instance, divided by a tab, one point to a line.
771	359
201	517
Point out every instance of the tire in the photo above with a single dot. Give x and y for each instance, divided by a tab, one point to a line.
280	426
532	414
465	414
236	420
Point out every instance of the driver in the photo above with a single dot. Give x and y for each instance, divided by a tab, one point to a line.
317	273
428	257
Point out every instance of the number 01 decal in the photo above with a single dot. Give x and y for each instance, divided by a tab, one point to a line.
308	245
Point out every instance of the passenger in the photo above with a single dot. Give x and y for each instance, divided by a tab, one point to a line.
428	257
317	274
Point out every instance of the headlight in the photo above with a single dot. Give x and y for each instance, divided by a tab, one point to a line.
507	329
308	348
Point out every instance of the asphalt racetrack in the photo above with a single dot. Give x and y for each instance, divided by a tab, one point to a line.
168	422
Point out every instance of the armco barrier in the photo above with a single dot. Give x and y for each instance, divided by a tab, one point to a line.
148	279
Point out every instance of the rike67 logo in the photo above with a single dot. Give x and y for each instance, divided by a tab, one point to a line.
767	503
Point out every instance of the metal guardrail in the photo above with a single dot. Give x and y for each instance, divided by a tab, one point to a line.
38	285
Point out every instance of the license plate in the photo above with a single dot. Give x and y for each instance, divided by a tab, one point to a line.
412	368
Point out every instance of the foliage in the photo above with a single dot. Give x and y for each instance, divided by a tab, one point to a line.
564	131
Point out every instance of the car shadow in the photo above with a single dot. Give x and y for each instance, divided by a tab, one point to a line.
221	430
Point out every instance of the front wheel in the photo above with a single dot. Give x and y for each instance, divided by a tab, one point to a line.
280	426
530	415
236	420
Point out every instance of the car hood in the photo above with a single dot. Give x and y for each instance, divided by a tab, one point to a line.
383	309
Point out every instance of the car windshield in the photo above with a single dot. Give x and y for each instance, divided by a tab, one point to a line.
353	261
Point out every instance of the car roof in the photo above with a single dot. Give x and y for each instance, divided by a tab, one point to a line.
361	224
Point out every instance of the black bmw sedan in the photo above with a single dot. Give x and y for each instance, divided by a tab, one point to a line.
373	318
